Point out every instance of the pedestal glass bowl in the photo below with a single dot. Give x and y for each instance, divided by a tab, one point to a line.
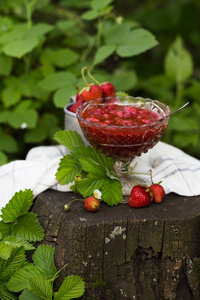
123	128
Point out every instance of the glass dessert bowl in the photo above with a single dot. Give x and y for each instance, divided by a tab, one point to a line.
123	128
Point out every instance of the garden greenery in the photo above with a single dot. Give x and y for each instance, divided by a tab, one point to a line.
144	49
19	278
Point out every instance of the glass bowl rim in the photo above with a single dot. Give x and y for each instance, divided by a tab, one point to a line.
144	100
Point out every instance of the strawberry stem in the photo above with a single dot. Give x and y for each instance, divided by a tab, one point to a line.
150	171
83	75
89	74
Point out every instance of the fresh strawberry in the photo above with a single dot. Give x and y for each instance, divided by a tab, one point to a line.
78	97
75	106
139	197
91	92
108	89
157	192
92	204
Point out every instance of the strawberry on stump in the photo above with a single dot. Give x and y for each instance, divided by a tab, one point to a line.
140	196
157	191
92	204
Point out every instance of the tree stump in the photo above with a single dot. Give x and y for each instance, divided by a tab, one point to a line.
143	254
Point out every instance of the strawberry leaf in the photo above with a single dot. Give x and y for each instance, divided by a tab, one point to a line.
67	169
43	258
69	139
112	191
88	185
97	156
18	206
72	287
28	228
20	279
90	166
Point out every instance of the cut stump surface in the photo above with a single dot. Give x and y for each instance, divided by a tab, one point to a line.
143	254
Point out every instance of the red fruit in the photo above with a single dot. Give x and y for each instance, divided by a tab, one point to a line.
108	89
91	92
139	197
92	204
78	97
75	106
157	192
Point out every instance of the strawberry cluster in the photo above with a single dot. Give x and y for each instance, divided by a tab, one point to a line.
92	91
143	195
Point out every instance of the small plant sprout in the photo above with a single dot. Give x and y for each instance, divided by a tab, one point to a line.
97	194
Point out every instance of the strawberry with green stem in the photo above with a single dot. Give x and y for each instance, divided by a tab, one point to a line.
90	91
108	89
157	191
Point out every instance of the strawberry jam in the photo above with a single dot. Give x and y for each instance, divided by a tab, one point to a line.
122	130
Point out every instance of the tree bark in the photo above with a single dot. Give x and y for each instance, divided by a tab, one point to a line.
143	254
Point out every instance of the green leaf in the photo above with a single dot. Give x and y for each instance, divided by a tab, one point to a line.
41	287
5	251
6	24
5	229
27	118
28	228
62	96
11	96
96	4
90	15
43	258
38	30
68	138
13	263
8	143
57	80
124	81
64	57
6	64
17	33
28	295
112	192
72	287
178	62
20	47
20	279
90	166
103	52
67	169
45	128
65	25
87	186
15	242
3	158
5	294
17	206
95	155
118	33
138	41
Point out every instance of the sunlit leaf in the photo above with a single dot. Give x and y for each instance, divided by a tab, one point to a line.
17	206
178	62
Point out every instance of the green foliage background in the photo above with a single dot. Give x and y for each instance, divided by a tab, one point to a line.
146	48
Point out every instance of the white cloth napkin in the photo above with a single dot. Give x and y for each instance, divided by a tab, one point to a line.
178	171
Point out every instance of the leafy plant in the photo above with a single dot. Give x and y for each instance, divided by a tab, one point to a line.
19	229
95	168
40	63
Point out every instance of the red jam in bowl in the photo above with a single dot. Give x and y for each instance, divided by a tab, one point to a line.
121	131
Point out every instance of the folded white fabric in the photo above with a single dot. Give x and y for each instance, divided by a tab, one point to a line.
178	171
